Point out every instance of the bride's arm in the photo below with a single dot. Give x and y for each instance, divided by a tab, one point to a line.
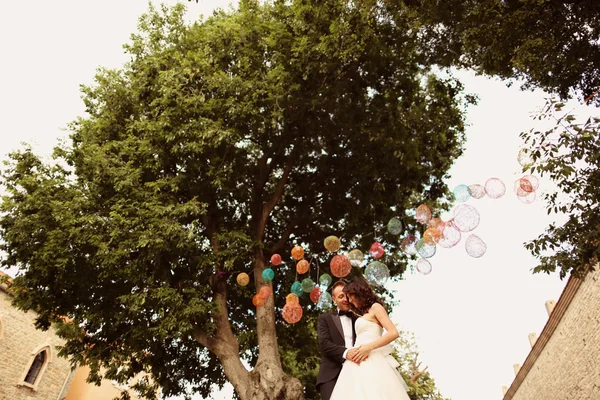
391	334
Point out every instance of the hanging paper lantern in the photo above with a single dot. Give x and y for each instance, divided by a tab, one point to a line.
292	313
376	250
307	285
466	218
423	214
528	198
425	250
332	244
242	279
407	244
268	274
297	289
325	301
292	298
533	181
394	226
432	236
450	235
356	257
494	188
265	292
275	259
462	193
475	246
525	188
525	185
377	273
340	266
525	157
325	280
315	294
477	191
302	267
297	252
258	301
434	222
423	266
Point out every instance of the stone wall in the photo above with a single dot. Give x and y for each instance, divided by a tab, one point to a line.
568	365
19	341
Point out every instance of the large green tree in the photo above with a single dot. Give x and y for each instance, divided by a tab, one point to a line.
218	144
550	44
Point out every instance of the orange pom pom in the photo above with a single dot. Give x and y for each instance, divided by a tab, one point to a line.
264	292
297	252
258	301
302	267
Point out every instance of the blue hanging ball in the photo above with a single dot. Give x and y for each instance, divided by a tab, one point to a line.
268	274
297	289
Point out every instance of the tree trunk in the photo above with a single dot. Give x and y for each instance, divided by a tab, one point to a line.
266	381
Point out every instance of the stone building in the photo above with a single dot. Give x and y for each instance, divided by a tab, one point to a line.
564	361
29	366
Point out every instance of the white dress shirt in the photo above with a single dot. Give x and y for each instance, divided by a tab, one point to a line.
347	328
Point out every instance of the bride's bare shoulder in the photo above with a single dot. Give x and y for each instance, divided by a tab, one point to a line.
376	307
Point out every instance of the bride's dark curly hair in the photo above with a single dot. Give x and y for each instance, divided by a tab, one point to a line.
361	289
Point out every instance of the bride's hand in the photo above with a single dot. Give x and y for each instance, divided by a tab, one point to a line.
362	352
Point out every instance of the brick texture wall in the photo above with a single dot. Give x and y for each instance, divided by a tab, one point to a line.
568	368
18	340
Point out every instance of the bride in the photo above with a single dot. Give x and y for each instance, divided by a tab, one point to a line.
372	375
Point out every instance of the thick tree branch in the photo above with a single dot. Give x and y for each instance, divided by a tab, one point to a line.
277	194
219	285
284	238
264	170
205	340
418	375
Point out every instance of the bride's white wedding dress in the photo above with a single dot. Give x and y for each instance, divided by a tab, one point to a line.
376	378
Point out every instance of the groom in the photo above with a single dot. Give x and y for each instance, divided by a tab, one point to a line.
336	338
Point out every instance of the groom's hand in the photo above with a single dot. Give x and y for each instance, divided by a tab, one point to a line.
361	354
351	355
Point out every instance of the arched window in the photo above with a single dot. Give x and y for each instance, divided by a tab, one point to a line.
36	367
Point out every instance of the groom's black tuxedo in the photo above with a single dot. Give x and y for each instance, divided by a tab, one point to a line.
332	345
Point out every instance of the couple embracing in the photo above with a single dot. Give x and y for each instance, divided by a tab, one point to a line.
356	358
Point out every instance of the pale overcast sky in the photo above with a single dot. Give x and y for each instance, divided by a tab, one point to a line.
471	316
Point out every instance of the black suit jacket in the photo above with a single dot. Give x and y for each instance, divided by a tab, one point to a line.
332	345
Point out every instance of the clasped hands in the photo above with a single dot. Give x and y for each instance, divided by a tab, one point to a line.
359	354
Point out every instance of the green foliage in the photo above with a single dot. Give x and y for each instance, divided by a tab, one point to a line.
217	144
549	44
569	154
420	383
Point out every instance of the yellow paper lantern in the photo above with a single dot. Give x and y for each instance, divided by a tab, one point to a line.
242	279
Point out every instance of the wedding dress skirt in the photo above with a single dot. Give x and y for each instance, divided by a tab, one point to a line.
376	378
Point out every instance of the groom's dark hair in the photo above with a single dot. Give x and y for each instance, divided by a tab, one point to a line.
338	283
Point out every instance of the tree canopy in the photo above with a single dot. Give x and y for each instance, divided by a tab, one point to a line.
554	46
218	144
550	44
